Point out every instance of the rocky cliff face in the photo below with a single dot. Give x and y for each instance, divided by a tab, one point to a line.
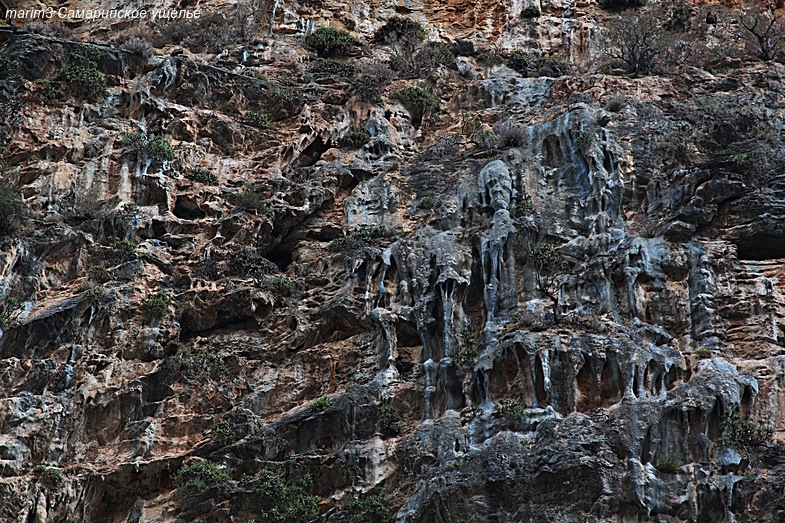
557	297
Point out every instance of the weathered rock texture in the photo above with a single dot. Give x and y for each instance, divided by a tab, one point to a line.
398	278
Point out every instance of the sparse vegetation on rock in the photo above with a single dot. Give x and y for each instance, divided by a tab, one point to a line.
198	476
509	273
12	210
82	75
331	42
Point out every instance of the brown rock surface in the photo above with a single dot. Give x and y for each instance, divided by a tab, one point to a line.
370	316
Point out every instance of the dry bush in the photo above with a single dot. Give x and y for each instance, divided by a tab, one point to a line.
370	80
615	102
510	134
432	54
638	41
235	25
763	32
138	47
52	30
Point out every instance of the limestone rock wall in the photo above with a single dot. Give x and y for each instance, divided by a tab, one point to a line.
469	380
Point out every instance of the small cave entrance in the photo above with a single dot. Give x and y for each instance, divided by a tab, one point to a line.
587	387
540	393
187	209
281	256
761	247
406	334
746	403
646	447
312	153
714	423
553	155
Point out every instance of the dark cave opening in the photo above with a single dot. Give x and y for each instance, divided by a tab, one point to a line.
746	402
187	209
760	247
406	333
312	153
281	256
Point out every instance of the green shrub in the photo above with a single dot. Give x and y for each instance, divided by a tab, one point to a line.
198	476
282	101
50	476
94	293
373	508
280	502
355	137
367	89
336	67
621	4
250	199
158	305
12	210
81	73
703	353
156	149
468	349
582	138
118	251
743	434
530	11
258	119
668	463
160	150
329	41
9	318
130	209
417	100
523	206
364	236
223	432
547	258
739	159
279	283
98	273
247	261
123	245
389	419
202	175
510	408
399	28
427	203
549	267
404	36
174	346
48	88
8	66
533	65
322	404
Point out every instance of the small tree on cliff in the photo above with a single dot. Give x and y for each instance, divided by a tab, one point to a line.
764	33
549	267
404	36
638	41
